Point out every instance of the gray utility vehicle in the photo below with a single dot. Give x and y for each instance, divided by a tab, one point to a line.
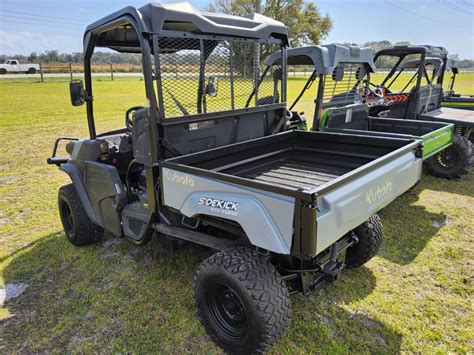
343	76
409	65
213	159
450	97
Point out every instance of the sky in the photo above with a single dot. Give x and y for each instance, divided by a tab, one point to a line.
27	25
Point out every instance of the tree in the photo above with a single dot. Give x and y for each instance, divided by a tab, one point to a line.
305	23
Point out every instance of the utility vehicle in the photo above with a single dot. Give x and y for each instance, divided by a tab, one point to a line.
14	66
450	97
408	91
342	74
213	159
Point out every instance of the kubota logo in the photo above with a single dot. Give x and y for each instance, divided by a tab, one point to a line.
378	192
179	178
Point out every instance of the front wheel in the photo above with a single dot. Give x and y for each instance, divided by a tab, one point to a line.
79	229
3	71
242	301
370	235
453	162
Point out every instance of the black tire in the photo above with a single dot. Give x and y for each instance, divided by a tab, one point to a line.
453	162
241	300
370	235
31	71
3	71
78	228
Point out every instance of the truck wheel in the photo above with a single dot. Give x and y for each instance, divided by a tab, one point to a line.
78	228
370	235
3	71
241	300
31	71
453	162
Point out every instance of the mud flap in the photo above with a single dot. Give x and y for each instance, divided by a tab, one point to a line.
106	194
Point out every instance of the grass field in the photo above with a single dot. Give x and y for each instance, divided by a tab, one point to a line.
415	296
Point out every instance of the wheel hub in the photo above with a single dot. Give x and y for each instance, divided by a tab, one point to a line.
227	312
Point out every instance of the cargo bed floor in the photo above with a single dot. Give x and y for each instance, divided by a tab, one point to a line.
293	173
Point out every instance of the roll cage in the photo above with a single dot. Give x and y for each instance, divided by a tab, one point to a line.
428	55
341	71
162	31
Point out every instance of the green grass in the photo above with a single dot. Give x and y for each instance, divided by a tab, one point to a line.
415	296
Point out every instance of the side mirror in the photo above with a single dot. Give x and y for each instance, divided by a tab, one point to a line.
212	86
78	95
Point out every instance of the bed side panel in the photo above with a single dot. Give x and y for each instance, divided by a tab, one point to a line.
349	205
266	218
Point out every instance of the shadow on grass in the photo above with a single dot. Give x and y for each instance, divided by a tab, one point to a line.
408	227
116	297
330	321
457	187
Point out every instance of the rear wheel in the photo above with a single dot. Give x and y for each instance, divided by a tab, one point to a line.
453	162
242	301
370	235
78	228
32	71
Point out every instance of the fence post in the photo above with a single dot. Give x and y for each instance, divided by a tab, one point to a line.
111	72
70	70
41	73
294	71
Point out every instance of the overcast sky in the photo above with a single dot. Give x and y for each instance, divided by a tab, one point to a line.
27	25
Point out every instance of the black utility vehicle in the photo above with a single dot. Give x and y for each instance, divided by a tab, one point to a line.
212	158
450	97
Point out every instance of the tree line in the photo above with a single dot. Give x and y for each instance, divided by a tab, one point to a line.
306	26
54	56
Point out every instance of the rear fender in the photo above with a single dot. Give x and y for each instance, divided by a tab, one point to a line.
78	183
250	213
266	218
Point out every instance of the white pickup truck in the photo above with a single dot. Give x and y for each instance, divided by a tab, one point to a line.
14	66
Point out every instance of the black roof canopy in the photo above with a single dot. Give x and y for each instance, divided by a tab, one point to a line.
118	30
402	51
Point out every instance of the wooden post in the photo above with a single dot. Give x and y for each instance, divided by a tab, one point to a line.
70	70
41	73
111	72
294	71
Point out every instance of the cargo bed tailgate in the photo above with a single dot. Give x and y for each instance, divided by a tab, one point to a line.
351	201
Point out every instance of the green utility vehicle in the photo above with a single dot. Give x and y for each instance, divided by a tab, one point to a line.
343	77
408	91
213	158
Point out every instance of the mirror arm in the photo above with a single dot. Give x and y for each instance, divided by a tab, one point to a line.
88	98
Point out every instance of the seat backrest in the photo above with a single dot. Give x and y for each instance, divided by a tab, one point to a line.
428	100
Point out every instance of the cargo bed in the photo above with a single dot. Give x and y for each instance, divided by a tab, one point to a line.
435	136
312	186
456	116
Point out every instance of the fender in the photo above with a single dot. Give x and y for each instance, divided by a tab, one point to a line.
251	214
76	179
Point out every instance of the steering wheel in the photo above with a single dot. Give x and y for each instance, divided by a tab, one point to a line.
128	120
